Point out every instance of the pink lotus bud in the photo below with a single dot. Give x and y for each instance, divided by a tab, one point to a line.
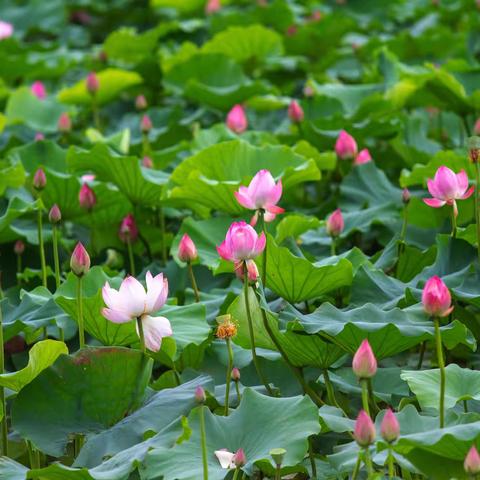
19	247
200	396
362	157
39	136
235	374
146	124
390	428
241	243
80	260
187	251
472	461
55	215
292	30
436	298
239	459
252	271
295	112
39	180
364	432
236	119
92	83
86	197
64	123
406	196
6	30
128	231
345	146
364	363
38	89
147	162
141	102
335	223
476	127
212	6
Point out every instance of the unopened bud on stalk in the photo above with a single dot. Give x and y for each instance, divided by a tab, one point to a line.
39	179
92	83
235	374
80	260
55	215
19	247
200	396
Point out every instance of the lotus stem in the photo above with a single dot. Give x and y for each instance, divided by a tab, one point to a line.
162	233
330	390
261	215
333	247
391	464
312	458
441	365
237	388
358	463
95	113
365	402
368	462
41	247
421	355
4	425
130	257
454	222
19	264
229	374
55	256
203	440
81	328
141	335
235	475
193	281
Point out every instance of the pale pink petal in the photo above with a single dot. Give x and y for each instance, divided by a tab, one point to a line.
243	199
111	297
134	296
432	188
260	187
116	316
154	329
468	193
157	291
275	194
275	209
224	251
269	216
446	183
225	458
462	182
260	244
434	202
254	219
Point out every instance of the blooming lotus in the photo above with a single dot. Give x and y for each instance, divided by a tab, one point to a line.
237	120
448	187
229	459
133	302
261	194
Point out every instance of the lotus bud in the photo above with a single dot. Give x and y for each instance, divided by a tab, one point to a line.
38	89
236	119
92	83
6	30
239	459
39	136
39	180
364	363
147	162
335	223
212	6
146	124
406	196
80	260
363	157
295	112
436	298
252	271
86	197
64	124
390	428
187	251
474	145
141	102
472	461
345	146
235	374
128	229
278	455
364	432
19	247
292	30
55	215
200	396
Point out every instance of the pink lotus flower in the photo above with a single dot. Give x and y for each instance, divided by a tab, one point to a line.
200	396
64	123
212	6
345	146
447	187
19	247
261	193
147	162
187	251
241	243
80	260
92	83
237	120
141	102
132	302
239	459
436	298
231	460
364	432
38	89
39	136
235	374
390	428
39	179
54	215
364	363
335	223
472	461
6	30
362	157
146	124
87	197
295	112
128	231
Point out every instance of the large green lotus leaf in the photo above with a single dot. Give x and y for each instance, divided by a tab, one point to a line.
12	470
460	384
211	176
16	207
255	413
140	185
388	331
253	43
213	79
296	279
82	393
40	115
112	82
41	356
158	412
43	153
294	226
11	176
302	350
183	6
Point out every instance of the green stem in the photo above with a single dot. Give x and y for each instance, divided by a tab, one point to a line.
250	330
277	473
140	334
465	406
162	233
371	396
145	144
81	329
441	365
193	281
356	470
229	375
237	388
454	223
19	264
391	463
3	402
261	215
55	257
364	384
203	440
41	247
130	257
368	462
333	250
330	390
403	231
422	355
312	458
477	206
235	475
96	116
